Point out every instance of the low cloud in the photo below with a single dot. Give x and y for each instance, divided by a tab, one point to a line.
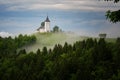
5	34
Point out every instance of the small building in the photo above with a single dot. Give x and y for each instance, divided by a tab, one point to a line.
102	35
45	27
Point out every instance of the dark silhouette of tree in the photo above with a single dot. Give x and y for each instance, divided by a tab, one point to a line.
42	24
38	52
55	29
23	51
44	51
113	16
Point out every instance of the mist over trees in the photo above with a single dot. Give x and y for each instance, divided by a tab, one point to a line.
89	59
9	46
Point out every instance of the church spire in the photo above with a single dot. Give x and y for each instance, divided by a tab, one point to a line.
47	19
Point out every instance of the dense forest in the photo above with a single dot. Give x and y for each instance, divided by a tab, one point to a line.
9	46
89	59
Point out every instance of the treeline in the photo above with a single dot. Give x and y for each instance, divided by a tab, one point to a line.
84	60
22	40
9	45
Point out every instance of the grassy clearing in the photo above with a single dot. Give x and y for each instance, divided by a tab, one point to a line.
111	40
50	39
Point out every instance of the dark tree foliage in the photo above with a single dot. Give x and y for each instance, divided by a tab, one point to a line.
55	29
9	46
44	51
38	52
113	16
84	60
22	40
42	24
115	1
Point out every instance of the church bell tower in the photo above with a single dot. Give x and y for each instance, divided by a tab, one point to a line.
47	25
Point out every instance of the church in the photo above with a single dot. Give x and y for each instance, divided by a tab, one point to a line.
45	27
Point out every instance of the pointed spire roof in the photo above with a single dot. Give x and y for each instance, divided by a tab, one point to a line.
47	19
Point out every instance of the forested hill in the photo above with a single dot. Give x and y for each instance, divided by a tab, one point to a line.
88	59
10	46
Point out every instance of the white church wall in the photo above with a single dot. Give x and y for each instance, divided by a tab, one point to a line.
47	26
42	30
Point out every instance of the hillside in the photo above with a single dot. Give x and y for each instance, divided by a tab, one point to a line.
86	60
50	39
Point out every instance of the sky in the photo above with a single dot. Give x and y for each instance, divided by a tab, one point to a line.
84	17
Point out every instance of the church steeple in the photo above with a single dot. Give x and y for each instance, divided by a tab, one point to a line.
47	19
46	26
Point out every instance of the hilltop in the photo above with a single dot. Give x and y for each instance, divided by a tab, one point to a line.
50	39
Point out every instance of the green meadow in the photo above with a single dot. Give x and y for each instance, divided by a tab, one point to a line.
50	39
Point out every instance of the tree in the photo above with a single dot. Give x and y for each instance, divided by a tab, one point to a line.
38	51
113	16
44	51
115	1
42	24
56	29
23	51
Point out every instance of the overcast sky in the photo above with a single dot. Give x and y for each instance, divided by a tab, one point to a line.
85	17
